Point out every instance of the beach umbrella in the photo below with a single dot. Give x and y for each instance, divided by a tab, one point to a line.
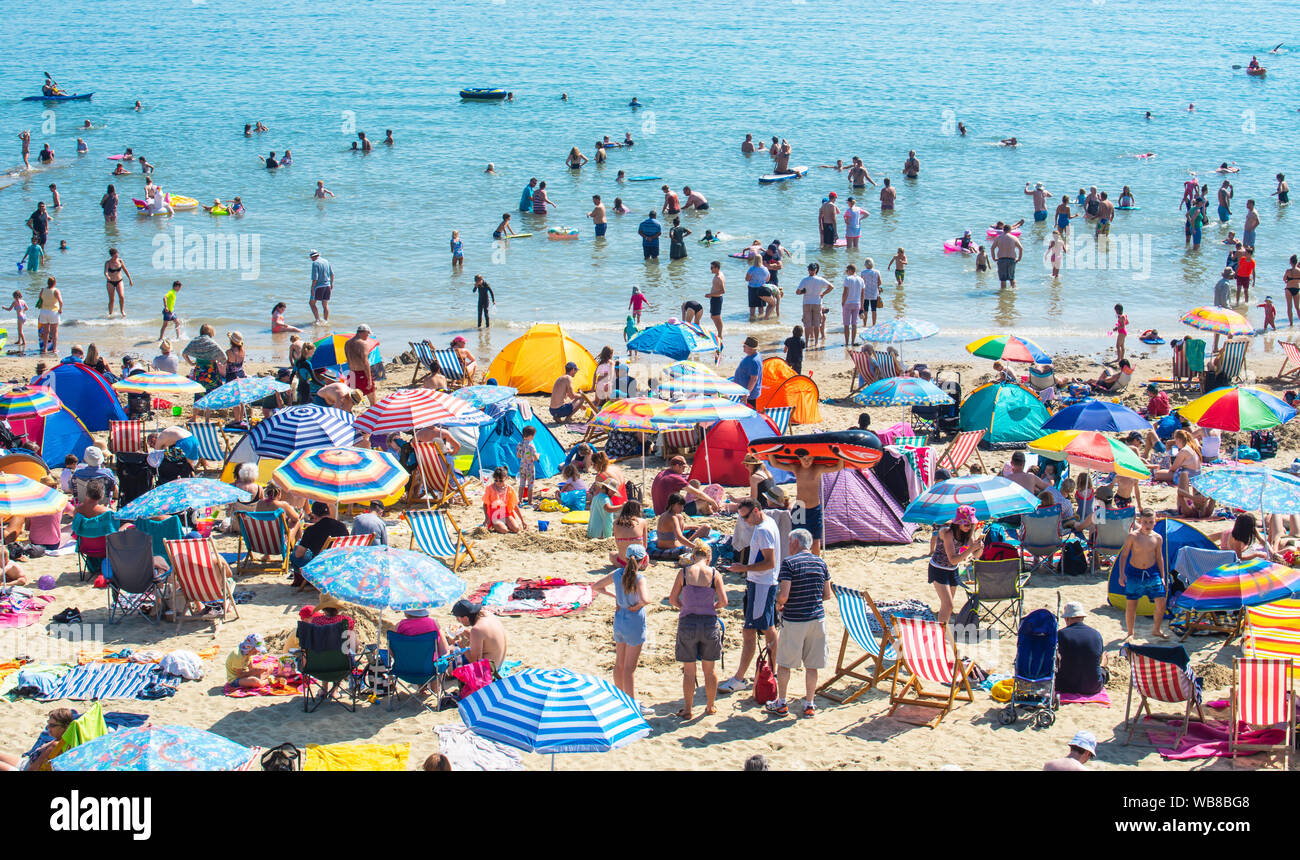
632	415
702	410
384	578
1251	488
992	497
183	494
158	383
27	401
1100	415
699	385
329	353
300	427
1238	408
237	392
20	496
674	339
1008	347
341	475
902	391
1217	320
1090	449
1252	582
554	711
154	747
413	408
898	330
685	367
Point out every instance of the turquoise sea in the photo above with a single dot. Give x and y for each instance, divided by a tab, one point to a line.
1071	80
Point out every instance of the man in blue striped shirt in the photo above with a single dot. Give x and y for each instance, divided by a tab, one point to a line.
805	584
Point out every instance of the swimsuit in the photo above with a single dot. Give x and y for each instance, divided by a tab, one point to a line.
1142	582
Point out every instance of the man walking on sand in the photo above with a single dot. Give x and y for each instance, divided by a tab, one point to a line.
322	285
169	311
357	351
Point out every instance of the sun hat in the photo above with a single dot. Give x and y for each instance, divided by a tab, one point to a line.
363	327
1073	609
965	516
458	341
417	613
1085	741
328	601
94	456
635	550
313	253
253	644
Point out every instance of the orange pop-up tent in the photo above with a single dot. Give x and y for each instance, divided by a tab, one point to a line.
783	387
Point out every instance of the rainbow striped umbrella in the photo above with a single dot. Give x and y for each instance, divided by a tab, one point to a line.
1008	347
703	410
1238	408
341	475
902	391
22	497
991	496
633	415
1090	449
1217	320
27	401
413	408
1252	582
158	383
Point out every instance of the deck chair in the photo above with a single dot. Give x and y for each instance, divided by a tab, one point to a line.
998	591
100	526
126	436
414	668
211	441
855	608
780	416
1291	353
1110	535
424	359
134	585
1234	358
680	441
1273	630
437	535
324	665
263	533
196	571
930	657
1161	673
958	452
449	363
1183	375
863	374
1262	698
885	365
440	480
346	541
1040	536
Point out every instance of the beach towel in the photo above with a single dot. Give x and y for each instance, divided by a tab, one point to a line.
1208	740
106	681
469	751
10	683
1099	698
281	684
19	611
341	757
545	599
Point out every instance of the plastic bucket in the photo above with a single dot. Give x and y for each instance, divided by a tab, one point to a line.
543	525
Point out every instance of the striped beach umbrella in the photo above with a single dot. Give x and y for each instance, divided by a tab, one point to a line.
158	383
155	747
1217	320
1252	582
554	711
341	475
300	427
20	496
413	408
27	401
992	497
1008	347
1102	415
1251	488
1238	408
1089	449
898	330
703	410
902	391
183	494
632	415
237	392
384	578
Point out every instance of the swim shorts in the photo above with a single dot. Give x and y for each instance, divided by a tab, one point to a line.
168	316
755	298
563	412
1040	214
899	274
703	207
362	381
810	518
1243	282
829	234
1143	582
1248	238
849	313
767	618
694	306
47	317
322	293
1103	227
189	446
600	229
715	306
698	638
1007	269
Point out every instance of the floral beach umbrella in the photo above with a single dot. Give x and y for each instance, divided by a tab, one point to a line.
183	494
384	578
992	497
237	392
155	748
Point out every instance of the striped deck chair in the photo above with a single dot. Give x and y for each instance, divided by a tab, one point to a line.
930	657
1292	356
126	436
437	535
1262	698
1182	374
958	452
440	480
780	416
1234	358
680	441
1273	630
264	533
199	572
885	366
212	442
449	363
346	541
1160	673
863	373
424	359
855	608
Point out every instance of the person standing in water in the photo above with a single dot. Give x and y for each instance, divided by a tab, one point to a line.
597	215
1040	195
322	285
50	303
911	167
485	298
114	270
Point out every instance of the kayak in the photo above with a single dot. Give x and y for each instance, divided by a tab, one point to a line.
782	177
644	178
482	94
74	97
858	449
1258	73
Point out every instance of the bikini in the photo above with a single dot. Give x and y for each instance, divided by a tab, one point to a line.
1290	279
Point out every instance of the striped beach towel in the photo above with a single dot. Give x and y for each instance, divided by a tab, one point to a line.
106	681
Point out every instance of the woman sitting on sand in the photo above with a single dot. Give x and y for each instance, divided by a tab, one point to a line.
1187	460
56	724
1245	540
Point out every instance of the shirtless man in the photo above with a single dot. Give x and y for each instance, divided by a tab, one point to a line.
1248	229
671	204
321	190
1040	195
1141	565
1007	251
564	399
485	636
340	396
1105	215
807	513
180	438
714	295
859	176
366	145
827	219
747	146
357	351
911	167
694	200
888	194
597	216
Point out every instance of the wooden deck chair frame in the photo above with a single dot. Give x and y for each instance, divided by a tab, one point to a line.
1234	347
424	359
885	650
437	490
126	436
1144	703
958	687
244	549
1280	672
200	553
462	547
1291	355
948	460
862	371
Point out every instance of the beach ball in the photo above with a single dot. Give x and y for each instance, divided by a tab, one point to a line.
45	583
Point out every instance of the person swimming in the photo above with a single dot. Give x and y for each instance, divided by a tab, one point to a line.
1009	141
634	103
1225	168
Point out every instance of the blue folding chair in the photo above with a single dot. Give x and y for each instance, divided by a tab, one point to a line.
437	535
414	666
855	608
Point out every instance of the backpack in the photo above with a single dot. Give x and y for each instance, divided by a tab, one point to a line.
764	679
285	757
1264	442
1074	558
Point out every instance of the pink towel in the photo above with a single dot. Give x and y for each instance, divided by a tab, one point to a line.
280	685
1102	698
1207	740
24	613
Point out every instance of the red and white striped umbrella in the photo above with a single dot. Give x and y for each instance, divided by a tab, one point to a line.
413	408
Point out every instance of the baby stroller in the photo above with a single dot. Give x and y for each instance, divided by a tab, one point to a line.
938	422
1034	680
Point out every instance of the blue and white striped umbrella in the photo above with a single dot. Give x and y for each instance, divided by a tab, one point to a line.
246	389
301	427
902	391
554	711
991	496
898	330
183	494
1251	488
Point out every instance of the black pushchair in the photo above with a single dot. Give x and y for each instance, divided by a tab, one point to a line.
939	422
1033	687
135	476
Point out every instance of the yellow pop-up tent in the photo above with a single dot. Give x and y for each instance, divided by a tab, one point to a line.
532	362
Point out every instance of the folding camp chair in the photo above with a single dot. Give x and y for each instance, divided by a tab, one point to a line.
1292	356
440	480
197	572
1273	630
929	655
415	667
1234	358
1262	698
1161	673
211	441
424	359
83	527
780	416
134	587
958	452
998	591
862	370
450	365
1111	534
126	436
855	608
323	663
346	541
437	535
1040	536
264	533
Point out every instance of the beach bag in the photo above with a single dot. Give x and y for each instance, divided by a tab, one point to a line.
764	679
1264	442
475	676
1074	558
969	615
285	757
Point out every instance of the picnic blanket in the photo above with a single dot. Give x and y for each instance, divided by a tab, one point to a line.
1100	698
546	598
470	751
1207	740
20	611
281	684
338	757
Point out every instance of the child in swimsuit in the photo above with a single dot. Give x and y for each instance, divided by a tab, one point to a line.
1141	566
1120	330
277	320
19	307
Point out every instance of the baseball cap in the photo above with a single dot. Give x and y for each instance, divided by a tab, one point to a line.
1085	741
1073	609
1151	386
320	509
833	195
678	459
465	608
571	366
313	253
363	327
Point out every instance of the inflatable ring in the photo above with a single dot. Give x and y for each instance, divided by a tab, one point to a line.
952	247
857	449
1002	690
561	233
